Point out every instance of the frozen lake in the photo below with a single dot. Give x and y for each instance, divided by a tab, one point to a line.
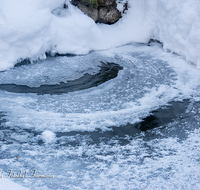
125	118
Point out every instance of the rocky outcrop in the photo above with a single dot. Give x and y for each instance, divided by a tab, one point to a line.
92	13
102	11
104	3
108	15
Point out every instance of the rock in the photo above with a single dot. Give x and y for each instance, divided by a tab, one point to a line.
102	11
92	13
90	3
109	15
105	3
85	2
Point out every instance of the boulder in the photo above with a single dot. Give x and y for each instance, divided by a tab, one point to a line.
102	11
109	15
89	3
91	12
104	3
85	2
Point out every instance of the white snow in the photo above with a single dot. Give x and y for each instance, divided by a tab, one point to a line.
28	29
178	27
6	184
48	136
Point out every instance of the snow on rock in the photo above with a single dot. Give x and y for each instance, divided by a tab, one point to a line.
6	184
30	28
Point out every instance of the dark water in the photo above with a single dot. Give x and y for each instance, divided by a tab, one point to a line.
163	115
107	72
159	117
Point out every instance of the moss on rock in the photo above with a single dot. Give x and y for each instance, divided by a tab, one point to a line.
93	4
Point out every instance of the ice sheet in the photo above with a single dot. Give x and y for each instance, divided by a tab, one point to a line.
56	134
145	83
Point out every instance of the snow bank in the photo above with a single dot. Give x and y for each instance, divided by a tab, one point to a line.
6	184
24	29
29	28
178	27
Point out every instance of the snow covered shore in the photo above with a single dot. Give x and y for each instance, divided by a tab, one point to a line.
28	29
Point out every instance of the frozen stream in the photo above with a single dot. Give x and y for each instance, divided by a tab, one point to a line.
96	137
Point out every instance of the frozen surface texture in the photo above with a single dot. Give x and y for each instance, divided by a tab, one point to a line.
71	136
31	28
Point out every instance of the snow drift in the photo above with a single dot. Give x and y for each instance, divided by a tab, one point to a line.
178	27
29	28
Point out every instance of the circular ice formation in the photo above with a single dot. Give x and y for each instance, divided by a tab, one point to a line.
145	83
